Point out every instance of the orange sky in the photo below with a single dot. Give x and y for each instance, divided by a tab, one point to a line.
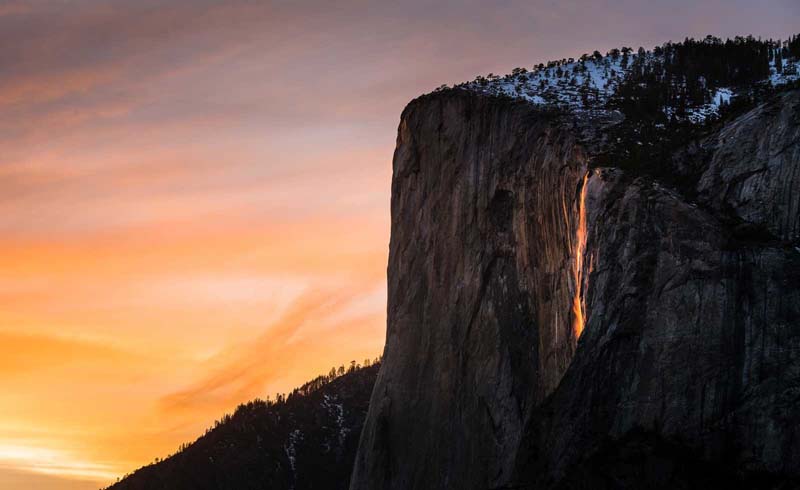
194	196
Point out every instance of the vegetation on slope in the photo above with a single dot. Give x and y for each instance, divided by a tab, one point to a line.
306	440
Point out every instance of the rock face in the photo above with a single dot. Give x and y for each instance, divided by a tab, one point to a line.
483	217
685	369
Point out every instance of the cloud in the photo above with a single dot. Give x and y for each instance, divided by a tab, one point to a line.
244	371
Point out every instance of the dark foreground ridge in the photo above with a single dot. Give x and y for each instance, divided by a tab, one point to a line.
306	441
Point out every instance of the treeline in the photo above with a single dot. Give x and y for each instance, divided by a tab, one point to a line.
669	81
681	76
304	390
792	47
675	82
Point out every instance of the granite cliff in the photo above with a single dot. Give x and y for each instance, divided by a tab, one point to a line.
566	314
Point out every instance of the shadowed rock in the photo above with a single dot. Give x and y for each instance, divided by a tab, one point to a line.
687	374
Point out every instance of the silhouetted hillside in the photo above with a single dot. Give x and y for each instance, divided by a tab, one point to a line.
307	440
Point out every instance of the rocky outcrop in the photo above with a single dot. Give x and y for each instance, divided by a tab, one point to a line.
692	343
684	373
754	169
479	315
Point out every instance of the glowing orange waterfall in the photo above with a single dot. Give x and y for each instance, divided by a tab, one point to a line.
577	269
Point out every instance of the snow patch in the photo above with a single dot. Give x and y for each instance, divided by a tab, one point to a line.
577	85
790	72
336	410
290	448
588	85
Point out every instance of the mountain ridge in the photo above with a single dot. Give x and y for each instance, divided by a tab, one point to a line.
696	78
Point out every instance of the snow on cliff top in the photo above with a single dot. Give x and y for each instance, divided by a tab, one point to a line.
587	85
560	85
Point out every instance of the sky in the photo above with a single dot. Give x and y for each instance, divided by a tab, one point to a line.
194	195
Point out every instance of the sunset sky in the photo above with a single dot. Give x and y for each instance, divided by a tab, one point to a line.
195	196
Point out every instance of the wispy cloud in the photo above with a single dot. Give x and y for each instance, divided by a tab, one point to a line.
244	371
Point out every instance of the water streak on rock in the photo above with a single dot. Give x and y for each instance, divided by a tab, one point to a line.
578	306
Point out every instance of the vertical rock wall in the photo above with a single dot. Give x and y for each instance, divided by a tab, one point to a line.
480	291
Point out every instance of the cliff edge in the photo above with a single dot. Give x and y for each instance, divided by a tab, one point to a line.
566	311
